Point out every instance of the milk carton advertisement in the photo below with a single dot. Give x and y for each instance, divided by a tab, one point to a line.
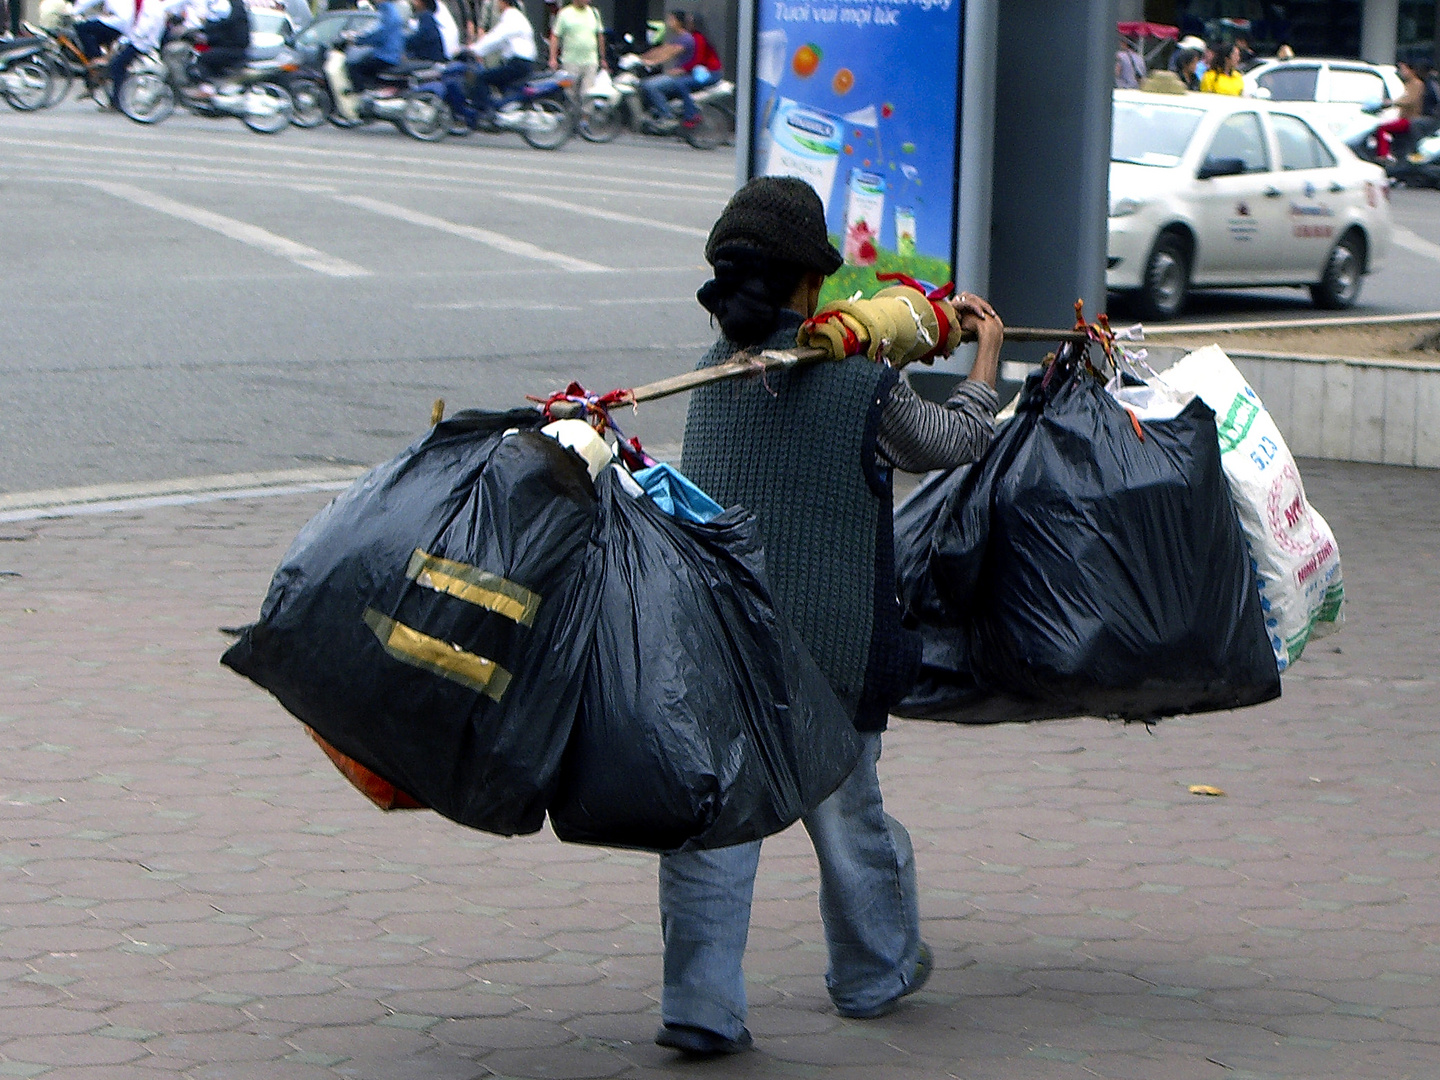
861	101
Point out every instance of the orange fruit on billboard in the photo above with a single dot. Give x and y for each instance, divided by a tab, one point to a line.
805	60
843	81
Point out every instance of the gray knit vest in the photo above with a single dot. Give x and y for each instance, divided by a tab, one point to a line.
797	449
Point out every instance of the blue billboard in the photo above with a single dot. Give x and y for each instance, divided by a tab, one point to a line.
862	100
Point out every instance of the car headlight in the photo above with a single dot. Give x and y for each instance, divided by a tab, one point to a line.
1125	207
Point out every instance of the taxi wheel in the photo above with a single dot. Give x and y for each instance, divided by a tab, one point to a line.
1167	278
1340	287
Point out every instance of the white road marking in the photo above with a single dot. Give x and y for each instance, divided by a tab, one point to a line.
110	498
602	214
499	241
242	231
327	159
535	305
1410	241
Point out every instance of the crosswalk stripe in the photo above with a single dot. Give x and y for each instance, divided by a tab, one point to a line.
242	231
603	214
1411	241
499	241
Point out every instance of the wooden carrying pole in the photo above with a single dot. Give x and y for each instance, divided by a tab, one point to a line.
770	359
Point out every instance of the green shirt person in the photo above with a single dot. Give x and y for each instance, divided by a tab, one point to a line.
578	38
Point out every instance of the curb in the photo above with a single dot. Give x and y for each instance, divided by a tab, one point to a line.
184	491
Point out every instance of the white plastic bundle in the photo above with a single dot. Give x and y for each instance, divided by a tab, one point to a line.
1295	557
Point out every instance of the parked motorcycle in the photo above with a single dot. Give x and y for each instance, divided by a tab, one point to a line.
149	96
404	95
26	81
606	113
538	108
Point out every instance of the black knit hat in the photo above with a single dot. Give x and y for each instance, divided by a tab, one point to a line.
778	216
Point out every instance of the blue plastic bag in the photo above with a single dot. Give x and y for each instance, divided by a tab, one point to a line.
676	495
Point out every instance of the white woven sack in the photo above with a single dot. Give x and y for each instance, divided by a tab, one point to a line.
1292	550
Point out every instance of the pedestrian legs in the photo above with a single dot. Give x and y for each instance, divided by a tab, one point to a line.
868	893
705	921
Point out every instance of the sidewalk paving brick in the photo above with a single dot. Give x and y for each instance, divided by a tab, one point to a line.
187	888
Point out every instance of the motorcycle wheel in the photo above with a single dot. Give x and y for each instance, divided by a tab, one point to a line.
603	123
27	85
426	117
268	108
709	132
146	97
61	78
312	103
548	124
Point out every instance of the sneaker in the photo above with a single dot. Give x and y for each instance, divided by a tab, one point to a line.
698	1042
924	965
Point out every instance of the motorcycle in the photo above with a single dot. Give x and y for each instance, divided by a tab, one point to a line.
306	86
538	108
26	81
1413	154
403	96
607	112
149	95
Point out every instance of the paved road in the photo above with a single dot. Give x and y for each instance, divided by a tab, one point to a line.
195	299
188	889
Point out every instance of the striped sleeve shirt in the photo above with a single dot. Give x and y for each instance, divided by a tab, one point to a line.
918	435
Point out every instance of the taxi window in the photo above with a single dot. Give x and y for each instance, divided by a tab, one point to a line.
1356	86
1239	137
1149	134
1290	83
1300	147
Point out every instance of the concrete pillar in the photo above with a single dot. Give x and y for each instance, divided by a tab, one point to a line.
1379	24
1130	11
1052	161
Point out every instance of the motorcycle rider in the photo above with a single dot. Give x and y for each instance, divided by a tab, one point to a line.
138	27
114	17
512	41
426	42
676	55
386	42
226	28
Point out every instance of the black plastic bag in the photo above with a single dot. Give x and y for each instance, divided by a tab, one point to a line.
1082	569
433	621
704	721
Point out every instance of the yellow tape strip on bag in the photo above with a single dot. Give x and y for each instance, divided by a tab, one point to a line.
475	586
409	646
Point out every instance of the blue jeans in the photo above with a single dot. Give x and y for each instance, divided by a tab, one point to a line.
659	89
868	903
120	70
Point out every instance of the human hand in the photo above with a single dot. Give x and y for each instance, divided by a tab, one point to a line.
979	318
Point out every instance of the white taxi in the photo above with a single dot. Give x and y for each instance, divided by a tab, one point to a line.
1211	191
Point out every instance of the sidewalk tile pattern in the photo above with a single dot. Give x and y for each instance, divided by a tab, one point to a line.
188	889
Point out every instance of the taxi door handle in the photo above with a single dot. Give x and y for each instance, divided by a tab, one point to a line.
1272	193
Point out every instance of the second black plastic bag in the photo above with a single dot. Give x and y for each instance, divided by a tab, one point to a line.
704	722
1087	565
433	621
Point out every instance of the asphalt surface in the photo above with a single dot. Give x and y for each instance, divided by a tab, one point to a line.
196	299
